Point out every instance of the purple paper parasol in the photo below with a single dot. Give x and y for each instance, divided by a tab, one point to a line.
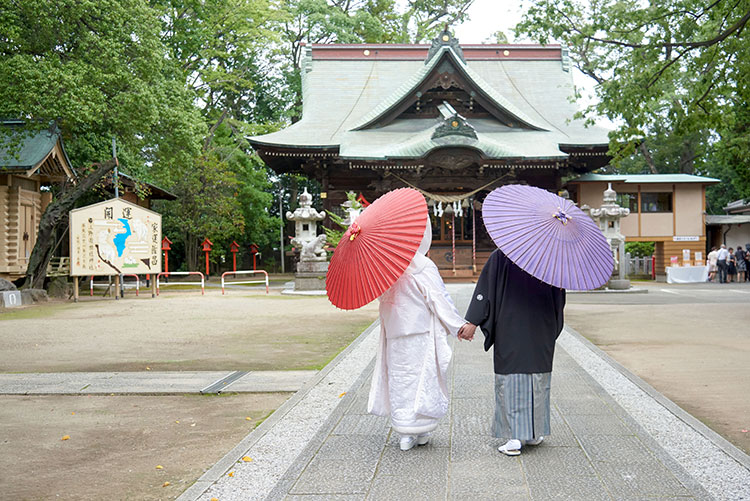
548	237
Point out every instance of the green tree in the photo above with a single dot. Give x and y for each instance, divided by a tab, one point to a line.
220	49
97	70
670	67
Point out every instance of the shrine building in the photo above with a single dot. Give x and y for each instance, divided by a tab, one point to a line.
28	161
453	121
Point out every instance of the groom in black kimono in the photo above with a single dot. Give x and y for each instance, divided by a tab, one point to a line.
521	317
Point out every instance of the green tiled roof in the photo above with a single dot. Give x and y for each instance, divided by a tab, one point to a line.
23	150
410	86
340	97
645	178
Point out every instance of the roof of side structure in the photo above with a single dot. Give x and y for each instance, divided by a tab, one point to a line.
645	178
22	148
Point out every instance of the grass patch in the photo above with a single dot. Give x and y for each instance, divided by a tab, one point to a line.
177	286
36	311
212	395
260	421
317	367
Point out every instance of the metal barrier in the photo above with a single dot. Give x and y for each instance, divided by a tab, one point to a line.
245	272
202	283
109	284
638	266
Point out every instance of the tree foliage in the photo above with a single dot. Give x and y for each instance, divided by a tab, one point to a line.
96	69
672	74
180	84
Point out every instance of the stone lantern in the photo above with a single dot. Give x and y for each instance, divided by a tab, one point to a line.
608	218
313	259
305	220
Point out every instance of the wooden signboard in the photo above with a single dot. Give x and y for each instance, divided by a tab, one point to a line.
114	237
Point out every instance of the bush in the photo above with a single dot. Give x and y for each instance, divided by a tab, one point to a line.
639	249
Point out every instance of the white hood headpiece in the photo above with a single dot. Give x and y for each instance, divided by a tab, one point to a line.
426	239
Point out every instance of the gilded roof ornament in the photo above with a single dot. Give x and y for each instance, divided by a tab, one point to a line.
445	38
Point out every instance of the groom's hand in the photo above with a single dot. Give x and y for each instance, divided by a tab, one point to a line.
467	331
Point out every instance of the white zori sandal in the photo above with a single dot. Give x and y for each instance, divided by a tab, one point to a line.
407	442
511	448
423	439
533	441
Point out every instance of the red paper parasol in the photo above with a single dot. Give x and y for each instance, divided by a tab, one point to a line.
548	237
376	249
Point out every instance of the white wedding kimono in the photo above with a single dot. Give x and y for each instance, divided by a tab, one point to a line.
409	381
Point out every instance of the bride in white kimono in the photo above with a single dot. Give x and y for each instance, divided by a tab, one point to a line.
409	381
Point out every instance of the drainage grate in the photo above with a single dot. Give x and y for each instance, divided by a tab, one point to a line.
222	383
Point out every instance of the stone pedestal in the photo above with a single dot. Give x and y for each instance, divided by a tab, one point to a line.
311	276
618	284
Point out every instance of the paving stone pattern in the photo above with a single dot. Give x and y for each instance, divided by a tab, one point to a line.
595	451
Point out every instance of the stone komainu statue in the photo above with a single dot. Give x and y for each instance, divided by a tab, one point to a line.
313	250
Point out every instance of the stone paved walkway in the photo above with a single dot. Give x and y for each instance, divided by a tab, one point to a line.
593	453
597	450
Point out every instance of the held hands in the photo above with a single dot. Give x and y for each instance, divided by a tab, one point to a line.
466	332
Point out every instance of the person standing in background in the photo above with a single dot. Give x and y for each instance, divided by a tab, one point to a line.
712	257
721	262
741	263
731	266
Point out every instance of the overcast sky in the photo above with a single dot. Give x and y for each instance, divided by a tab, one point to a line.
486	17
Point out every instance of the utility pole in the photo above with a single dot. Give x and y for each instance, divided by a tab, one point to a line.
281	225
114	155
119	292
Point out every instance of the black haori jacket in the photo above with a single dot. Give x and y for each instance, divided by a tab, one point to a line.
519	314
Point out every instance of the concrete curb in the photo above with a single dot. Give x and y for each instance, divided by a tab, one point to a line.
150	383
231	459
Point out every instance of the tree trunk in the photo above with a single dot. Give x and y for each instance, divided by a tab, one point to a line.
55	214
647	156
687	158
191	251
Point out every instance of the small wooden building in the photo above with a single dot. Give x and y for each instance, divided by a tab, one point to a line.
129	191
453	121
28	161
668	209
31	161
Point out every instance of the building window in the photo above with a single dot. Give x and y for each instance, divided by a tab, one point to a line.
656	202
628	201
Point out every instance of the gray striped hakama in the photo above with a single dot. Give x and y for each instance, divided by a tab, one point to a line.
522	406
